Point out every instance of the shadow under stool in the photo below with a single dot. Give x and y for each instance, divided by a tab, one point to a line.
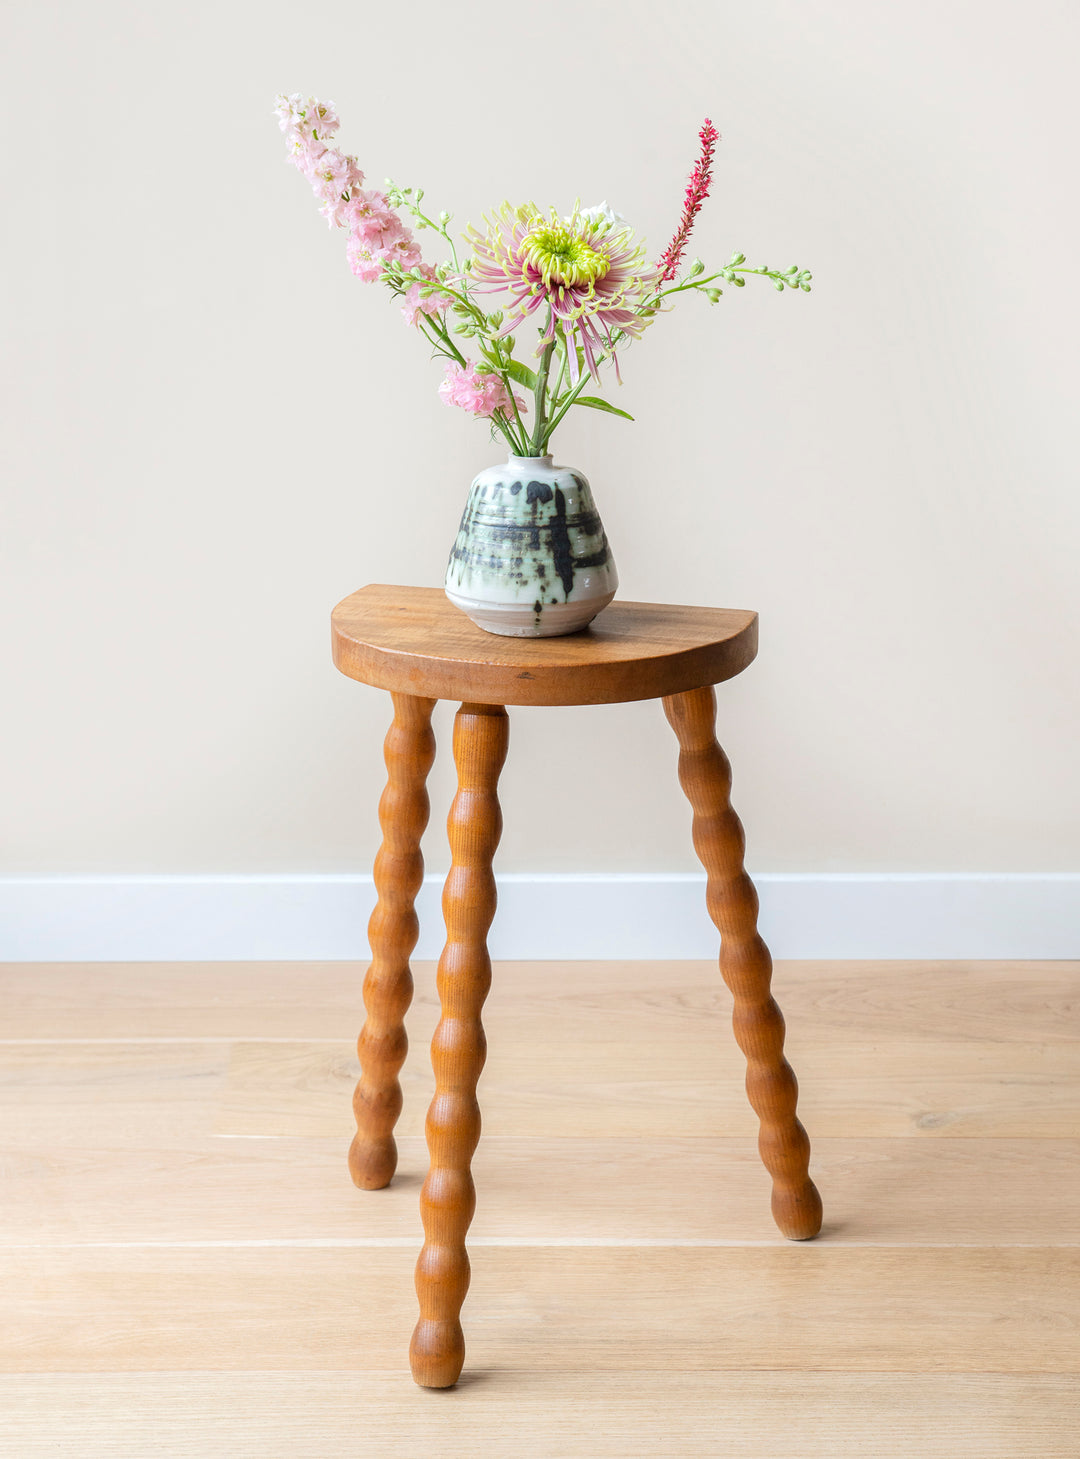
414	643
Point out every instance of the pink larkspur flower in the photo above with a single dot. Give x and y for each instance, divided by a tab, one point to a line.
289	111
334	178
368	214
586	274
333	174
302	116
404	249
365	262
322	117
414	305
377	235
304	154
483	395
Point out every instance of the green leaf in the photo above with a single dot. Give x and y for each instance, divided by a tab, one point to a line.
595	403
522	374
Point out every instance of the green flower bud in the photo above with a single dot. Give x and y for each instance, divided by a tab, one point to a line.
495	319
779	285
737	258
739	281
444	217
713	295
697	267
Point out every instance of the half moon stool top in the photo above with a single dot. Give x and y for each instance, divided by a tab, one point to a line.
416	644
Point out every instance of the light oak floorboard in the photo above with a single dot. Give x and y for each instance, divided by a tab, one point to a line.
597	1090
852	1002
168	1186
807	1306
186	1269
507	1414
287	1088
108	1075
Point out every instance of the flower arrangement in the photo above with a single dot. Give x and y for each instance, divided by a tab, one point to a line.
583	279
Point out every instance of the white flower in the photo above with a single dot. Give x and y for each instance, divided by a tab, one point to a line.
601	213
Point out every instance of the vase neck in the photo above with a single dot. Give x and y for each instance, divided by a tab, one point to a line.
525	462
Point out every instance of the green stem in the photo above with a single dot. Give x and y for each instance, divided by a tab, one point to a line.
539	433
522	432
435	331
441	338
702	281
504	426
567	403
439	228
583	380
564	360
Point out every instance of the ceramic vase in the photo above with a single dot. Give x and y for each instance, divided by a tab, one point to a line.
531	559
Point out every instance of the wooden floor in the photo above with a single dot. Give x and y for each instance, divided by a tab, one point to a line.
187	1270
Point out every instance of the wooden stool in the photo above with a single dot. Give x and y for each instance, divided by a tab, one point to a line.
414	643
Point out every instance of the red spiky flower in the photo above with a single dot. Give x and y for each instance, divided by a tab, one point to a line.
696	192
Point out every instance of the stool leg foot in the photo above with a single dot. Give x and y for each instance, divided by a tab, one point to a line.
705	776
392	931
458	1049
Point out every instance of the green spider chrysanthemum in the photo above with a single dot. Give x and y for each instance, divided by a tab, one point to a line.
589	271
562	256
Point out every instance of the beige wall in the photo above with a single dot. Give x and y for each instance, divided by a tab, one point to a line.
215	432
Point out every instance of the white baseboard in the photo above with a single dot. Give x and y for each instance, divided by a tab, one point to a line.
269	918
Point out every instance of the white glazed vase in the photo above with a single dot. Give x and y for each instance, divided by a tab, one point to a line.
531	559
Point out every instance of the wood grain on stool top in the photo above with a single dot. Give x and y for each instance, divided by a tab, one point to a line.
409	751
458	1048
414	641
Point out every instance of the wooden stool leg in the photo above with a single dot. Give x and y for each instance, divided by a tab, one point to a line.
705	776
458	1049
392	931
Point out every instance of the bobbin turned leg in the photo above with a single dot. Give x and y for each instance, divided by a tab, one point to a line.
705	776
399	871
458	1048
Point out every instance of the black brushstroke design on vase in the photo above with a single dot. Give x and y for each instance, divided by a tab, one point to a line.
531	559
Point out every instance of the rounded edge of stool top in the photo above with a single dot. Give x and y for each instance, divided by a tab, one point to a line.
414	641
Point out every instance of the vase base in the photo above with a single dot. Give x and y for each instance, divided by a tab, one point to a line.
520	620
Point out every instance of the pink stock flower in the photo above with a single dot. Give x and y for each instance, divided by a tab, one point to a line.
696	192
484	395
